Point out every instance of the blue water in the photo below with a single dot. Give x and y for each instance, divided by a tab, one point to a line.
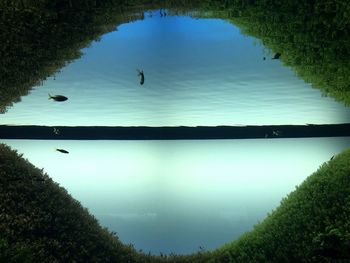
197	72
175	196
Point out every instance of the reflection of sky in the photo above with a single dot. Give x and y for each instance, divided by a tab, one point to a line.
197	71
174	196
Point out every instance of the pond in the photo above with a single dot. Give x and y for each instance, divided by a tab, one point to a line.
178	195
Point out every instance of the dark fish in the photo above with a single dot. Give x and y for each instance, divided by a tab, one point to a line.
142	79
62	151
162	13
58	97
277	55
56	131
276	133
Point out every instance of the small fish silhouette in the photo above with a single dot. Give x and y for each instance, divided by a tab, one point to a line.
62	151
162	13
142	79
276	133
56	131
58	97
277	55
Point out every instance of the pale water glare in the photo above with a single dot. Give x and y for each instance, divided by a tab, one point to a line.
174	196
197	72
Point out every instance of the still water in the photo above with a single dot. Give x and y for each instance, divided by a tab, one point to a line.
174	196
197	72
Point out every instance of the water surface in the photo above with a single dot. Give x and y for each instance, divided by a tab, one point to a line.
197	72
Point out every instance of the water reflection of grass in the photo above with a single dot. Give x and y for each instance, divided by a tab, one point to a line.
39	38
41	222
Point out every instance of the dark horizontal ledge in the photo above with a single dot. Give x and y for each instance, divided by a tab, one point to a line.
172	133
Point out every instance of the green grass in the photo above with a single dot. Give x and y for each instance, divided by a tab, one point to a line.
41	222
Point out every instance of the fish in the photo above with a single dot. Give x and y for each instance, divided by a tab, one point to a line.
58	97
276	133
62	151
162	13
142	79
56	131
277	55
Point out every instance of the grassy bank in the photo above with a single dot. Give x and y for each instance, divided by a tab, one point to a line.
41	222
